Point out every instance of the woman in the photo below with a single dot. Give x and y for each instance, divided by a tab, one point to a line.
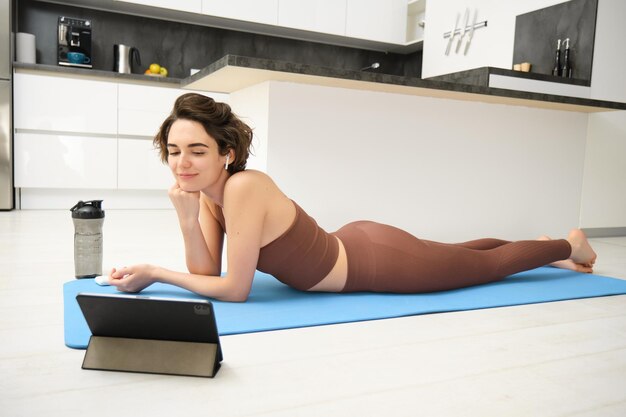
207	146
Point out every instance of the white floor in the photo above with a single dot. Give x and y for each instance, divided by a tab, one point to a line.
555	359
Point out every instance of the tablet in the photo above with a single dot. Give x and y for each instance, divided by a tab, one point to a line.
141	333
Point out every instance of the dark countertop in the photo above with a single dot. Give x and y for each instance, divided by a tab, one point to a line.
98	74
480	76
232	73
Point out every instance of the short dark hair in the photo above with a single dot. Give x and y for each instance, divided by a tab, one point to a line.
218	121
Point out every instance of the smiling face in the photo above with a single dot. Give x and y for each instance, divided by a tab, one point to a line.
222	125
193	156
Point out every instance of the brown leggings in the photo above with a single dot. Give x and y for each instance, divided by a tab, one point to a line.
383	258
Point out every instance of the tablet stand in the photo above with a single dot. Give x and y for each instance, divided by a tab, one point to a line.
152	356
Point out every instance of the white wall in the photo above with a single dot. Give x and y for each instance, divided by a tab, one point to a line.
609	57
603	201
442	169
604	186
252	106
491	45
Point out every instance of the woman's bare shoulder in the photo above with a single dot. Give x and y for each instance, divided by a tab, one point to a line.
248	179
252	188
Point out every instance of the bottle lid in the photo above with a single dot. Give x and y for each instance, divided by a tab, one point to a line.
88	210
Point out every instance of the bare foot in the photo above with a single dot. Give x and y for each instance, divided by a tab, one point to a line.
573	266
569	263
582	253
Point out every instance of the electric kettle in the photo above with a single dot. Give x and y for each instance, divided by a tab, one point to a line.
123	56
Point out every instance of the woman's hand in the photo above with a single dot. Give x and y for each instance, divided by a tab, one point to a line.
133	278
187	204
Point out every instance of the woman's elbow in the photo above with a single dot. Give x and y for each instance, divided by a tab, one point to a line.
235	297
234	293
239	299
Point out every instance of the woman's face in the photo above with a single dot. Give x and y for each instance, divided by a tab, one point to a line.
193	156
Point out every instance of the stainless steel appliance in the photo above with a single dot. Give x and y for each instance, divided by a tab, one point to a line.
6	115
74	42
123	56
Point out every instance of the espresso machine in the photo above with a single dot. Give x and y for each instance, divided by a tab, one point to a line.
74	42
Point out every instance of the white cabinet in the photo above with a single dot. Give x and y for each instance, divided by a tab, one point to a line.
101	139
65	161
193	6
382	25
362	23
65	132
259	11
64	104
325	16
139	166
378	20
142	109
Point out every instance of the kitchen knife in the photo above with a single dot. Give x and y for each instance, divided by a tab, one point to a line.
471	32
463	29
456	23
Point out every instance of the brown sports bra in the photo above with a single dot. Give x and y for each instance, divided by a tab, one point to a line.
302	256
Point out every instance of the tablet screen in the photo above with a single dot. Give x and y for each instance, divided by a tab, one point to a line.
141	317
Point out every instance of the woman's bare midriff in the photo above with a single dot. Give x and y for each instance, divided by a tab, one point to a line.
335	281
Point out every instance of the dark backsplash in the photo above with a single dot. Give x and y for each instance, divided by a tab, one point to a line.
181	47
536	35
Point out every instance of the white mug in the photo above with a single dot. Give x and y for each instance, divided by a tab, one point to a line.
25	49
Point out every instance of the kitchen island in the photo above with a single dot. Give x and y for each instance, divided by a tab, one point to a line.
518	161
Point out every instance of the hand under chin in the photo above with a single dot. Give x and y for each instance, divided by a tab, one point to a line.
189	189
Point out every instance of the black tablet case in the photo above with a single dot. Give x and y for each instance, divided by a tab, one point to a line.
152	335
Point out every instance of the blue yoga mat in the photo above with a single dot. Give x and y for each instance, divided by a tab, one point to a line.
273	306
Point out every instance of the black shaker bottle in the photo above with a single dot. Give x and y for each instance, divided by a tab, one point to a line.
88	218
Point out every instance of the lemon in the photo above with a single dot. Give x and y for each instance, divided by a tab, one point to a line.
155	68
163	71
